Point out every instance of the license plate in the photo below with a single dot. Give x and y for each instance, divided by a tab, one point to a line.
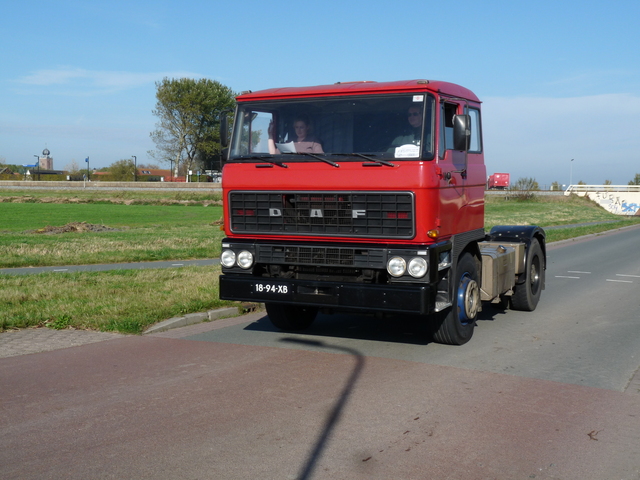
274	288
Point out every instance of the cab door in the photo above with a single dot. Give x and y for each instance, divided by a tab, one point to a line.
452	167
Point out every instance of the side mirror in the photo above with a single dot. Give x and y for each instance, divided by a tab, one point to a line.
461	132
224	131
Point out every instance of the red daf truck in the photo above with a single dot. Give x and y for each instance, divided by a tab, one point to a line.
498	181
368	197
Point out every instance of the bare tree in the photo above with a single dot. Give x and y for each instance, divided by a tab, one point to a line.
72	167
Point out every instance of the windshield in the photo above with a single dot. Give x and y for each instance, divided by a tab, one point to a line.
376	126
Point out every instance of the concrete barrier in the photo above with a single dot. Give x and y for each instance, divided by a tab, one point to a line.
618	199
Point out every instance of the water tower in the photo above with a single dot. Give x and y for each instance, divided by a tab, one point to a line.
46	162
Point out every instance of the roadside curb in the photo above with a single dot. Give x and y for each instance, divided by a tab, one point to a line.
199	317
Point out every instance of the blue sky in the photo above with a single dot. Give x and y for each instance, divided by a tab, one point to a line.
558	80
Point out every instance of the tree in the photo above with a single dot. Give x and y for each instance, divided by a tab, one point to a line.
189	120
636	180
524	187
525	184
556	186
122	170
608	182
72	168
148	166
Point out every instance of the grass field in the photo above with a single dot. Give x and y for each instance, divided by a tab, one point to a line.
148	226
140	197
545	211
551	211
141	233
124	301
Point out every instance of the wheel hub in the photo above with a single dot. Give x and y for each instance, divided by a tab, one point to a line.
468	299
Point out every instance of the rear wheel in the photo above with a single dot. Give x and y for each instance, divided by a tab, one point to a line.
455	325
525	296
291	317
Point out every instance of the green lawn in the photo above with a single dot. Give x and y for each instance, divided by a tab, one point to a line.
545	211
20	217
125	301
144	233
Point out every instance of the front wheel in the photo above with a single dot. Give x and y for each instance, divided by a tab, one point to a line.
455	325
291	317
526	295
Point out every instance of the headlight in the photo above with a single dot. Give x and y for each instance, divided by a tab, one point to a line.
418	267
245	259
396	266
228	258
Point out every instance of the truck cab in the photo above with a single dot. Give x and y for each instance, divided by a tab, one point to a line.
363	197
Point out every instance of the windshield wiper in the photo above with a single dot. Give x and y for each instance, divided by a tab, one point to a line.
266	158
368	157
325	160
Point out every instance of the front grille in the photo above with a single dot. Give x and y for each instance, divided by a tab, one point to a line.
321	255
383	215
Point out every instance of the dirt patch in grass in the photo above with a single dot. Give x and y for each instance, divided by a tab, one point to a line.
111	200
78	227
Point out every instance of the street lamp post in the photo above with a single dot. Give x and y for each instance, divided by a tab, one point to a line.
38	165
571	173
88	169
135	168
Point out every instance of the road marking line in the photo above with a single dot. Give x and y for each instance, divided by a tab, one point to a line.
575	271
62	270
177	264
565	276
620	281
623	275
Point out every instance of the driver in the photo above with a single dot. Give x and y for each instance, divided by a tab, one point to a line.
305	142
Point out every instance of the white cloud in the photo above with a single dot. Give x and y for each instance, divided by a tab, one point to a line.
79	81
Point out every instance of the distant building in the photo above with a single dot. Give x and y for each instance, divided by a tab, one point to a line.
37	172
45	160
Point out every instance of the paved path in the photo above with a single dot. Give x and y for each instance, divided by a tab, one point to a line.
36	340
173	405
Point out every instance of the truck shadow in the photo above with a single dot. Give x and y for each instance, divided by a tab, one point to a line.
408	329
335	413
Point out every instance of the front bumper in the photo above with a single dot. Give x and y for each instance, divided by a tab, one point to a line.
398	298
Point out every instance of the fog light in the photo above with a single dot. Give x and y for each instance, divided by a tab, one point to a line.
228	258
396	266
418	267
245	259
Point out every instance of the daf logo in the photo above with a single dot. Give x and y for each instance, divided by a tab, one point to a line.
317	213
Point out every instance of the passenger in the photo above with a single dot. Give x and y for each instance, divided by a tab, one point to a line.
414	116
305	142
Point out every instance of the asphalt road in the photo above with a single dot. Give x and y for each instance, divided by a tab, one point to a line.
553	394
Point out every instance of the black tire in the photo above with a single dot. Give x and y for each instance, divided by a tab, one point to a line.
526	295
291	317
455	325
